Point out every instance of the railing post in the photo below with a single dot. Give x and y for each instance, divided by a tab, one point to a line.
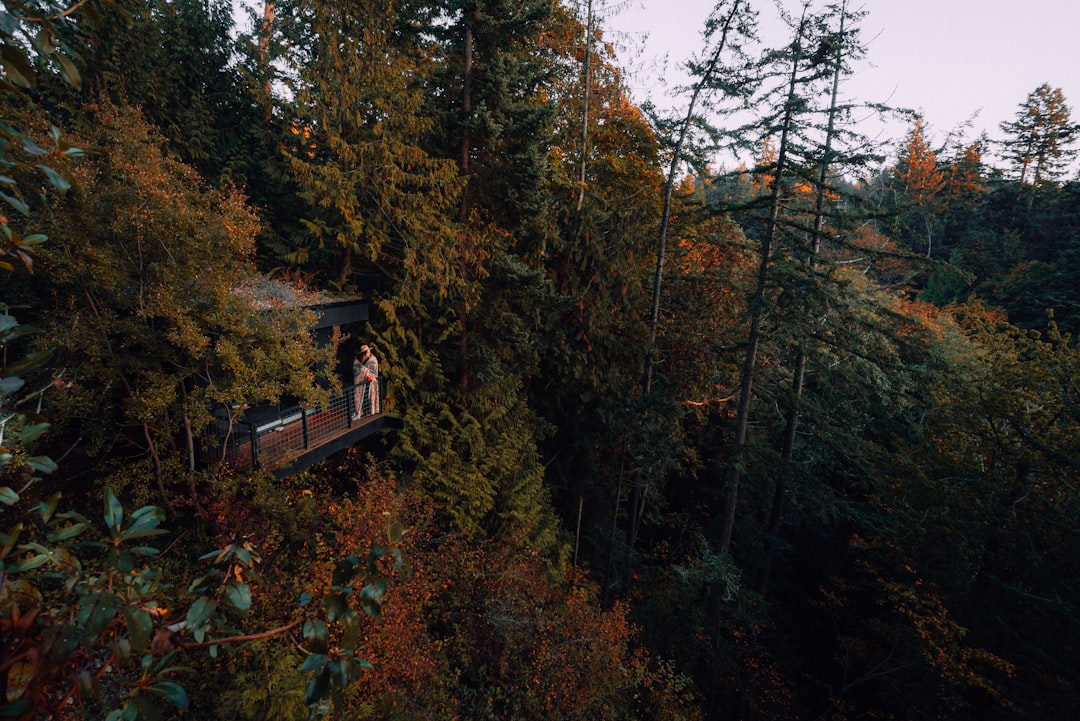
304	425
348	398
254	435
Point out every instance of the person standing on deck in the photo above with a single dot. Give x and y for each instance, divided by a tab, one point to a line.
366	379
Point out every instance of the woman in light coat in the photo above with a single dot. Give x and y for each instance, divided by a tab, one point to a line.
366	379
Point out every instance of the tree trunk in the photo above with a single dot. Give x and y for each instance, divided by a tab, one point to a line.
798	381
757	305
669	185
266	34
585	113
463	211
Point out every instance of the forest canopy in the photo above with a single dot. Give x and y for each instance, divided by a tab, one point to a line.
791	439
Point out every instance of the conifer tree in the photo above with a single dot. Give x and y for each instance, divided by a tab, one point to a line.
730	25
837	50
1038	140
376	198
919	180
791	105
594	258
174	60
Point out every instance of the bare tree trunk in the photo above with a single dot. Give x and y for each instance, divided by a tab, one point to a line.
585	115
463	211
266	33
669	185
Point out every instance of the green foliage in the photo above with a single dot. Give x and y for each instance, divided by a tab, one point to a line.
156	272
374	196
175	61
20	156
70	589
1038	144
273	690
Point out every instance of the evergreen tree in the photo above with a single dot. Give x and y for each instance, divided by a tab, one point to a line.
175	61
378	202
1037	142
919	180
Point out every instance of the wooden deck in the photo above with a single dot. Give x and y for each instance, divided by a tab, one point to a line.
287	439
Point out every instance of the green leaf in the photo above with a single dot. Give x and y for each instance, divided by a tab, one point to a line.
31	147
146	517
25	329
55	179
336	605
345	570
28	363
32	433
144	522
314	662
9	539
15	203
48	507
63	534
339	677
69	71
42	464
140	626
59	642
28	564
303	600
17	66
350	623
317	688
114	511
7	496
316	635
373	557
173	691
94	614
353	667
149	709
372	596
43	41
199	613
239	596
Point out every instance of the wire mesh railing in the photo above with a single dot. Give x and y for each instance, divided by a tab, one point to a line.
272	436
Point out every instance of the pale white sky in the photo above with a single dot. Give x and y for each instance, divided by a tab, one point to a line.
948	59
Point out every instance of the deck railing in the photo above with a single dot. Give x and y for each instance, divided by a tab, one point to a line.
272	436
